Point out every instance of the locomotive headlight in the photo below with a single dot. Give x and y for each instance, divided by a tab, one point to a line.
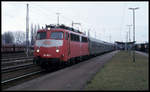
57	50
37	50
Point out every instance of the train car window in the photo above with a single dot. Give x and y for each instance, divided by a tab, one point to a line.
75	37
56	35
41	35
72	37
84	39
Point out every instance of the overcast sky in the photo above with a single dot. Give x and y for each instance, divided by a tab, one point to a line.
108	20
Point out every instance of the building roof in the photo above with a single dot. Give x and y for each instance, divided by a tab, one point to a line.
124	42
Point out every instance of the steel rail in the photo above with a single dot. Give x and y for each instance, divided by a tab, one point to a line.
12	55
5	54
4	70
19	77
16	61
8	59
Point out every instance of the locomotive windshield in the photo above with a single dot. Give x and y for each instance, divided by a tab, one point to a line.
41	35
56	35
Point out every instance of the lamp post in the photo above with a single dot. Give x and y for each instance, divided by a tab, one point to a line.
129	32
27	30
133	9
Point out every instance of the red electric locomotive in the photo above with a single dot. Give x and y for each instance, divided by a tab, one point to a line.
58	44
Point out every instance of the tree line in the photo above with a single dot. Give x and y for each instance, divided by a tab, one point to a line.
19	37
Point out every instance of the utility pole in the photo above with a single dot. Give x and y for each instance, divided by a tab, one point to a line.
27	31
89	33
127	41
129	32
57	18
31	34
134	31
127	37
110	38
95	34
125	45
72	24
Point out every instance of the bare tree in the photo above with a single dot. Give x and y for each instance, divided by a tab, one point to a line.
34	33
8	37
32	36
34	29
19	37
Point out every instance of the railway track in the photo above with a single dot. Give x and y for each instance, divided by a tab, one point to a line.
20	70
16	62
19	77
15	77
11	64
16	58
15	68
14	55
11	76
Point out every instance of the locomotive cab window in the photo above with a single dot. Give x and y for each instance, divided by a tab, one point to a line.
56	35
41	35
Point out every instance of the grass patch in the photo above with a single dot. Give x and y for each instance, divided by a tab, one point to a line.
121	73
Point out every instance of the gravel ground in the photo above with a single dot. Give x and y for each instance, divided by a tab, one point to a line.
70	78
